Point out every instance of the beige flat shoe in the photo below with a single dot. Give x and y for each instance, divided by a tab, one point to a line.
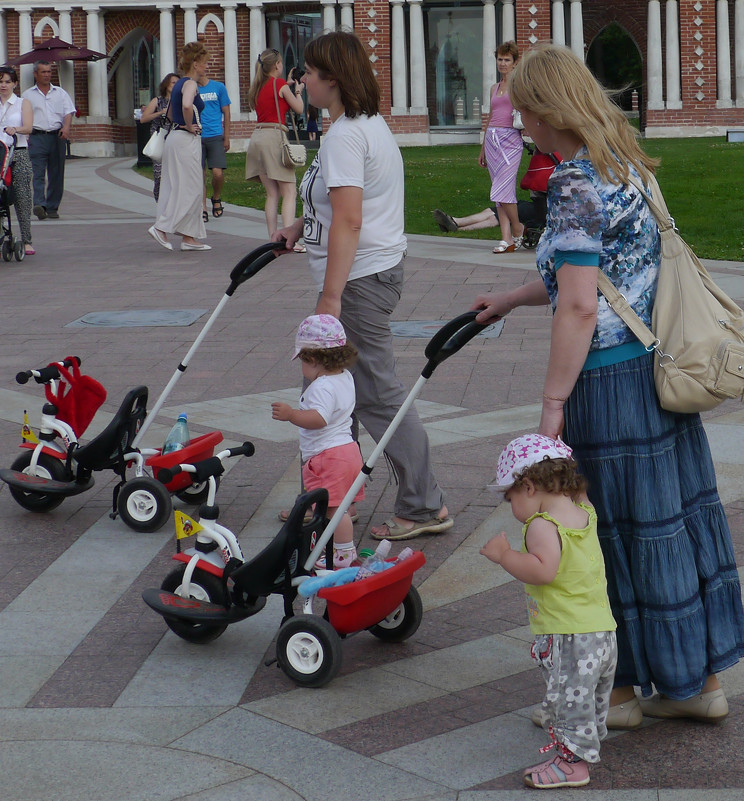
622	717
709	707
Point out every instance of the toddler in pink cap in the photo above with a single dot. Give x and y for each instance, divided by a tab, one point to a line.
562	567
330	457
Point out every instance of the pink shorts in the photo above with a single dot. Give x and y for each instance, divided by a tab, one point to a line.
335	469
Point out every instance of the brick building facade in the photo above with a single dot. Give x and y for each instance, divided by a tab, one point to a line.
434	60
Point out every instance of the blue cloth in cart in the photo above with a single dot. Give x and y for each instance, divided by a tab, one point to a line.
333	579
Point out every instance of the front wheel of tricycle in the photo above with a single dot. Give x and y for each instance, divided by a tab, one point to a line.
308	650
144	504
48	467
402	622
196	494
202	587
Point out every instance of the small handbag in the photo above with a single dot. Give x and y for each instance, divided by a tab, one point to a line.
156	143
292	155
698	331
517	120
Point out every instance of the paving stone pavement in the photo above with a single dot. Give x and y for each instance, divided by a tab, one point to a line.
98	701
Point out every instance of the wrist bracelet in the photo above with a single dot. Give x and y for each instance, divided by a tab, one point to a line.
553	398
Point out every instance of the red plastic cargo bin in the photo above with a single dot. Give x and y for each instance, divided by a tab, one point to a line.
361	604
199	448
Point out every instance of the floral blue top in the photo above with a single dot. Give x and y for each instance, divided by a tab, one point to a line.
589	217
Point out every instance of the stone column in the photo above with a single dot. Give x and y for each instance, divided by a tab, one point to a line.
97	79
653	57
257	37
232	65
490	73
329	14
739	51
189	22
559	23
65	68
398	58
347	16
275	37
673	95
3	38
577	28
508	22
723	55
167	40
25	43
418	59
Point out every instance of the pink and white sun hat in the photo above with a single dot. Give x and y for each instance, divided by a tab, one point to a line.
525	451
319	331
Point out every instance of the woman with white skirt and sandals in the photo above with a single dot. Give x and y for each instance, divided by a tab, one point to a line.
180	201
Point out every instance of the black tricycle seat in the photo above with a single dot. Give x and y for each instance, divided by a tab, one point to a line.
269	572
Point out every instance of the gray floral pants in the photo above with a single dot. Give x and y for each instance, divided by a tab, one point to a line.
578	670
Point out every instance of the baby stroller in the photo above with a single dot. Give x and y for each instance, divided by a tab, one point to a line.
9	245
533	213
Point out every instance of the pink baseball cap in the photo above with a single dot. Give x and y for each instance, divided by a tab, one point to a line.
319	331
525	451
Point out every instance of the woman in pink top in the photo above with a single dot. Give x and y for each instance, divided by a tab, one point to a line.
501	152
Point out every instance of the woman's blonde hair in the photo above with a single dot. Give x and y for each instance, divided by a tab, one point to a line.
266	63
553	83
190	53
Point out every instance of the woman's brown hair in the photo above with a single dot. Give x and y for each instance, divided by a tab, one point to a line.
508	49
163	88
340	56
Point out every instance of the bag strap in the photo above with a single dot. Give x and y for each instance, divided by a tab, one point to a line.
619	304
656	203
291	114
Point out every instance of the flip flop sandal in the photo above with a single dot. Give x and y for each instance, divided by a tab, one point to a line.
445	221
205	215
504	247
217	208
557	772
395	531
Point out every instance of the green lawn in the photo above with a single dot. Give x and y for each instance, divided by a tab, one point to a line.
702	179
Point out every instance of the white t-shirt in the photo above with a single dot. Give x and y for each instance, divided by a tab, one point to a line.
11	116
356	152
333	397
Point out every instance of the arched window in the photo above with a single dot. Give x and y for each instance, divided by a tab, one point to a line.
145	57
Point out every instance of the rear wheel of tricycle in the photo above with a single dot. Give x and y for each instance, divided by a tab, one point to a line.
402	622
196	494
203	587
144	504
7	250
47	467
19	250
308	650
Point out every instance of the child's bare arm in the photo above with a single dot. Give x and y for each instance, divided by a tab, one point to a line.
302	418
539	565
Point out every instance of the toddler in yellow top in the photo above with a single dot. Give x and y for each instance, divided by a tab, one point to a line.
562	567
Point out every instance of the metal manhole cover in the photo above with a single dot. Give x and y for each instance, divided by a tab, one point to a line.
425	329
138	318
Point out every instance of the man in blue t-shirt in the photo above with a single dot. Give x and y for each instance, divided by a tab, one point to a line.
215	125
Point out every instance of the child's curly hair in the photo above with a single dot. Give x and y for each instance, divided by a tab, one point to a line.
557	476
330	358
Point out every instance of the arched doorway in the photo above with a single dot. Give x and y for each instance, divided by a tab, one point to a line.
615	60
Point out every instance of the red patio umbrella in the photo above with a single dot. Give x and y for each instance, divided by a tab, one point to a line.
56	49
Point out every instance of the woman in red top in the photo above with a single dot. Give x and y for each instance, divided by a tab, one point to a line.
263	161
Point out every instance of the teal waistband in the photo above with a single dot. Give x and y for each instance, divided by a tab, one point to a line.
607	356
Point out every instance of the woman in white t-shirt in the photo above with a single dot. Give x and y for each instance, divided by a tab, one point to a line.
17	119
353	230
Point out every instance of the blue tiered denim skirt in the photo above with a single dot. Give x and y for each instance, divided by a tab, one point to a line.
671	571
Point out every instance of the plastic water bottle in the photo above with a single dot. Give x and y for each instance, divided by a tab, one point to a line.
375	563
403	555
178	438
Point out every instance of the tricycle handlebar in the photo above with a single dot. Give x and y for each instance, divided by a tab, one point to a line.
45	374
203	469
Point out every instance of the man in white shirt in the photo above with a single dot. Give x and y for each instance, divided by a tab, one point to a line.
47	145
